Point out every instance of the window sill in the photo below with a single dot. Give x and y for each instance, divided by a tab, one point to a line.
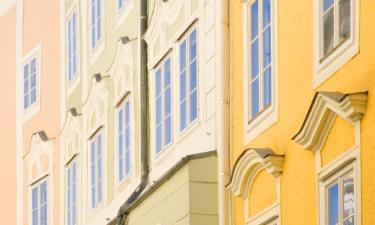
97	51
31	111
123	14
261	123
72	84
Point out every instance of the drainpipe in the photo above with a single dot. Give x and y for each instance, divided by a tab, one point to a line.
222	104
123	211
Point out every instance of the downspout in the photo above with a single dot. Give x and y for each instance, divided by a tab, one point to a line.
222	104
123	211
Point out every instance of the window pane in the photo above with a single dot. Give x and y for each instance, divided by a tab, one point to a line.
43	201
255	98
348	198
182	115
183	56
193	44
266	12
168	102
120	4
327	4
99	19
254	59
254	19
267	47
344	20
267	87
183	86
93	22
193	76
93	176
68	199
193	105
168	130
167	72
333	204
158	138
158	82
328	36
35	206
158	110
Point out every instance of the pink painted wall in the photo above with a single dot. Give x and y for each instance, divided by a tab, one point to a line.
41	25
8	117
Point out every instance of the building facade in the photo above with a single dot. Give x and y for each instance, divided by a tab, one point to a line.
301	137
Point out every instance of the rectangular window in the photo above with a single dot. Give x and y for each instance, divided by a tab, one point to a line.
188	101
39	203
260	54
71	193
124	140
336	24
163	105
72	57
96	23
96	169
340	200
30	76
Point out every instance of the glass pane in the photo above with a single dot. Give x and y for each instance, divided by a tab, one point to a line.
158	110
158	82
121	167
183	86
327	4
100	191
167	99
93	197
254	19
266	12
193	105
183	115
119	4
267	47
183	56
328	35
267	87
127	164
167	76
168	130
99	19
43	193
193	44
93	30
254	59
348	198
193	76
349	221
255	98
344	20
35	217
158	138
333	204
35	198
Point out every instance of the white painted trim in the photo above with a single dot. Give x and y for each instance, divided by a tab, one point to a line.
34	108
5	6
269	116
322	71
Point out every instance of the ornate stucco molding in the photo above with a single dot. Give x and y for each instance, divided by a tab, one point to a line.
324	109
249	164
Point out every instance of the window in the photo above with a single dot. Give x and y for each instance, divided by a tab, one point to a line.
72	47
96	23
260	77
188	79
39	203
71	193
336	24
30	87
96	169
339	194
163	105
122	5
124	140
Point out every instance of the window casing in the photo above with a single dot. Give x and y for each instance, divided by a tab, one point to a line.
339	197
163	105
39	203
96	169
96	23
188	76
30	82
71	193
124	140
72	43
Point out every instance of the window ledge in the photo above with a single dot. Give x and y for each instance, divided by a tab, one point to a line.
72	84
97	51
123	14
31	111
261	123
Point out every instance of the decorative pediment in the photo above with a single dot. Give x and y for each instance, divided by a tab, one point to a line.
322	114
122	68
95	108
249	164
71	134
167	14
40	156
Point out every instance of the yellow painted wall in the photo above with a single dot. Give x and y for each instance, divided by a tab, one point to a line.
295	92
262	193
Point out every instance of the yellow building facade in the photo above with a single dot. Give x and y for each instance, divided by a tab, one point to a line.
302	112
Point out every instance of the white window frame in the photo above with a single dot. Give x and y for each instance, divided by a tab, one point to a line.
74	81
325	67
161	66
185	37
269	116
37	184
95	51
34	108
121	106
69	167
100	131
347	162
271	214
